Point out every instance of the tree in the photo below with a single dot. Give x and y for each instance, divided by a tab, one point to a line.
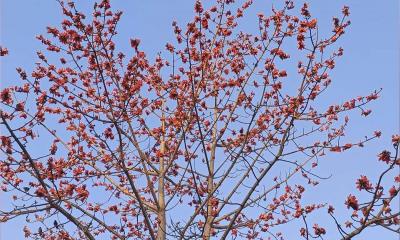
216	138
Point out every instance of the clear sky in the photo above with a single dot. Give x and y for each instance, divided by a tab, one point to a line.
371	62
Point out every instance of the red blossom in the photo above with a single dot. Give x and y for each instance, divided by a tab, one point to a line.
331	209
198	7
82	193
384	156
169	47
282	73
348	224
366	112
135	43
396	139
303	232
304	10
319	230
20	107
352	202
363	183
3	51
377	133
346	11
336	149
393	191
5	96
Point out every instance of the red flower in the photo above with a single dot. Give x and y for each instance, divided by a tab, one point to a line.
366	112
169	47
319	230
198	7
63	37
352	202
135	43
303	232
335	149
347	146
5	96
348	224
108	133
312	23
384	156
363	183
377	133
3	51
304	10
331	209
82	193
395	139
20	107
40	192
204	23
282	73
346	11
397	179
393	191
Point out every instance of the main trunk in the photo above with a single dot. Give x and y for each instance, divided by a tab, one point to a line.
162	222
210	181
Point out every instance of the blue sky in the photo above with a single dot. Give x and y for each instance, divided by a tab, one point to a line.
371	61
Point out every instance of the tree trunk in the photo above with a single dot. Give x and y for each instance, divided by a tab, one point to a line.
162	222
210	181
